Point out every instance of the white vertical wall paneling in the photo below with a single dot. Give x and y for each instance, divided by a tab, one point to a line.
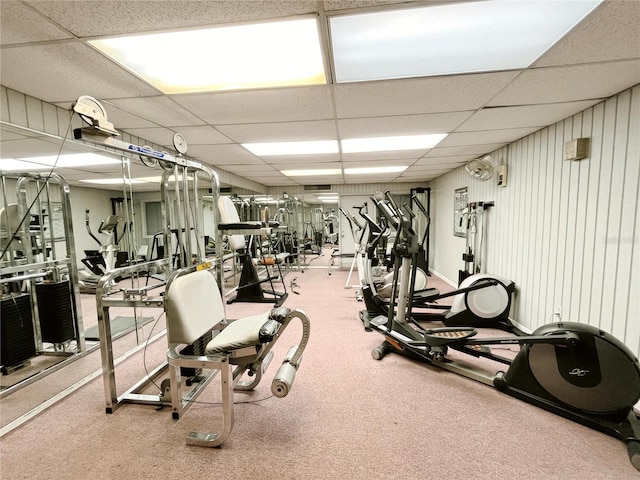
17	107
35	115
517	222
528	216
579	257
499	221
564	227
627	141
537	209
616	176
553	217
50	118
4	104
595	158
572	130
546	294
602	213
631	231
567	232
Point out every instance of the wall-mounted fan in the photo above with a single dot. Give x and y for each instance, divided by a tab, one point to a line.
480	168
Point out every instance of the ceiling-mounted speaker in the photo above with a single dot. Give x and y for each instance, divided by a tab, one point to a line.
481	169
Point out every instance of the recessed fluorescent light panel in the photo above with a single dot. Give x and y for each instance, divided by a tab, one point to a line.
292	148
451	38
370	170
74	160
12	165
383	144
269	54
309	173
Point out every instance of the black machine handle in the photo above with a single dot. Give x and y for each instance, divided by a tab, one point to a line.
89	228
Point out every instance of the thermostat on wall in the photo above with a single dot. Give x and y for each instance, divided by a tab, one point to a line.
576	149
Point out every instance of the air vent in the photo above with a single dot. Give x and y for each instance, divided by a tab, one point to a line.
317	188
222	190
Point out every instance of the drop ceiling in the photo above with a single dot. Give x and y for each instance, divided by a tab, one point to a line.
45	55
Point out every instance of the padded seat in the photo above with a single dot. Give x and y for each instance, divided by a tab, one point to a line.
247	332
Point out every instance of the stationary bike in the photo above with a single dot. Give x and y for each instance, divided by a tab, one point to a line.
573	370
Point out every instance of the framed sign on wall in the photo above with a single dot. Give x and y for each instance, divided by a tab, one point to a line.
460	202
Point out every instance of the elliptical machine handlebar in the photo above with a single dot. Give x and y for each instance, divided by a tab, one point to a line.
89	228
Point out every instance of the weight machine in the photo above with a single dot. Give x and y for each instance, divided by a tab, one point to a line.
41	312
201	341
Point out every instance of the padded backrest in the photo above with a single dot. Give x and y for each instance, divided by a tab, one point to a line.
229	214
193	306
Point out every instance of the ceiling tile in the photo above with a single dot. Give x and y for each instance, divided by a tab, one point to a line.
376	178
612	32
162	110
381	163
337	5
70	70
27	25
486	137
494	118
281	132
306	166
463	150
271	172
419	95
261	106
440	161
422	176
566	84
401	125
247	169
85	18
281	181
227	154
302	159
198	135
408	155
434	167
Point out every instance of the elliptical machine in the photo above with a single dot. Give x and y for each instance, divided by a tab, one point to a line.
481	300
573	370
101	261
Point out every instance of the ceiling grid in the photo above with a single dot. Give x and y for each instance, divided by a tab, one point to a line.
44	55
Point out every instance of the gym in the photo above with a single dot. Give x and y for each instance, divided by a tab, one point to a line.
317	239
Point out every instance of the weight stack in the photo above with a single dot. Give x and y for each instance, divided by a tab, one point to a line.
196	348
17	341
55	311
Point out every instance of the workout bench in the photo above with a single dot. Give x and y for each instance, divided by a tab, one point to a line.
194	307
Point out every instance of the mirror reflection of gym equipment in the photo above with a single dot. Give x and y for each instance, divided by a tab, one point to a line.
42	324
